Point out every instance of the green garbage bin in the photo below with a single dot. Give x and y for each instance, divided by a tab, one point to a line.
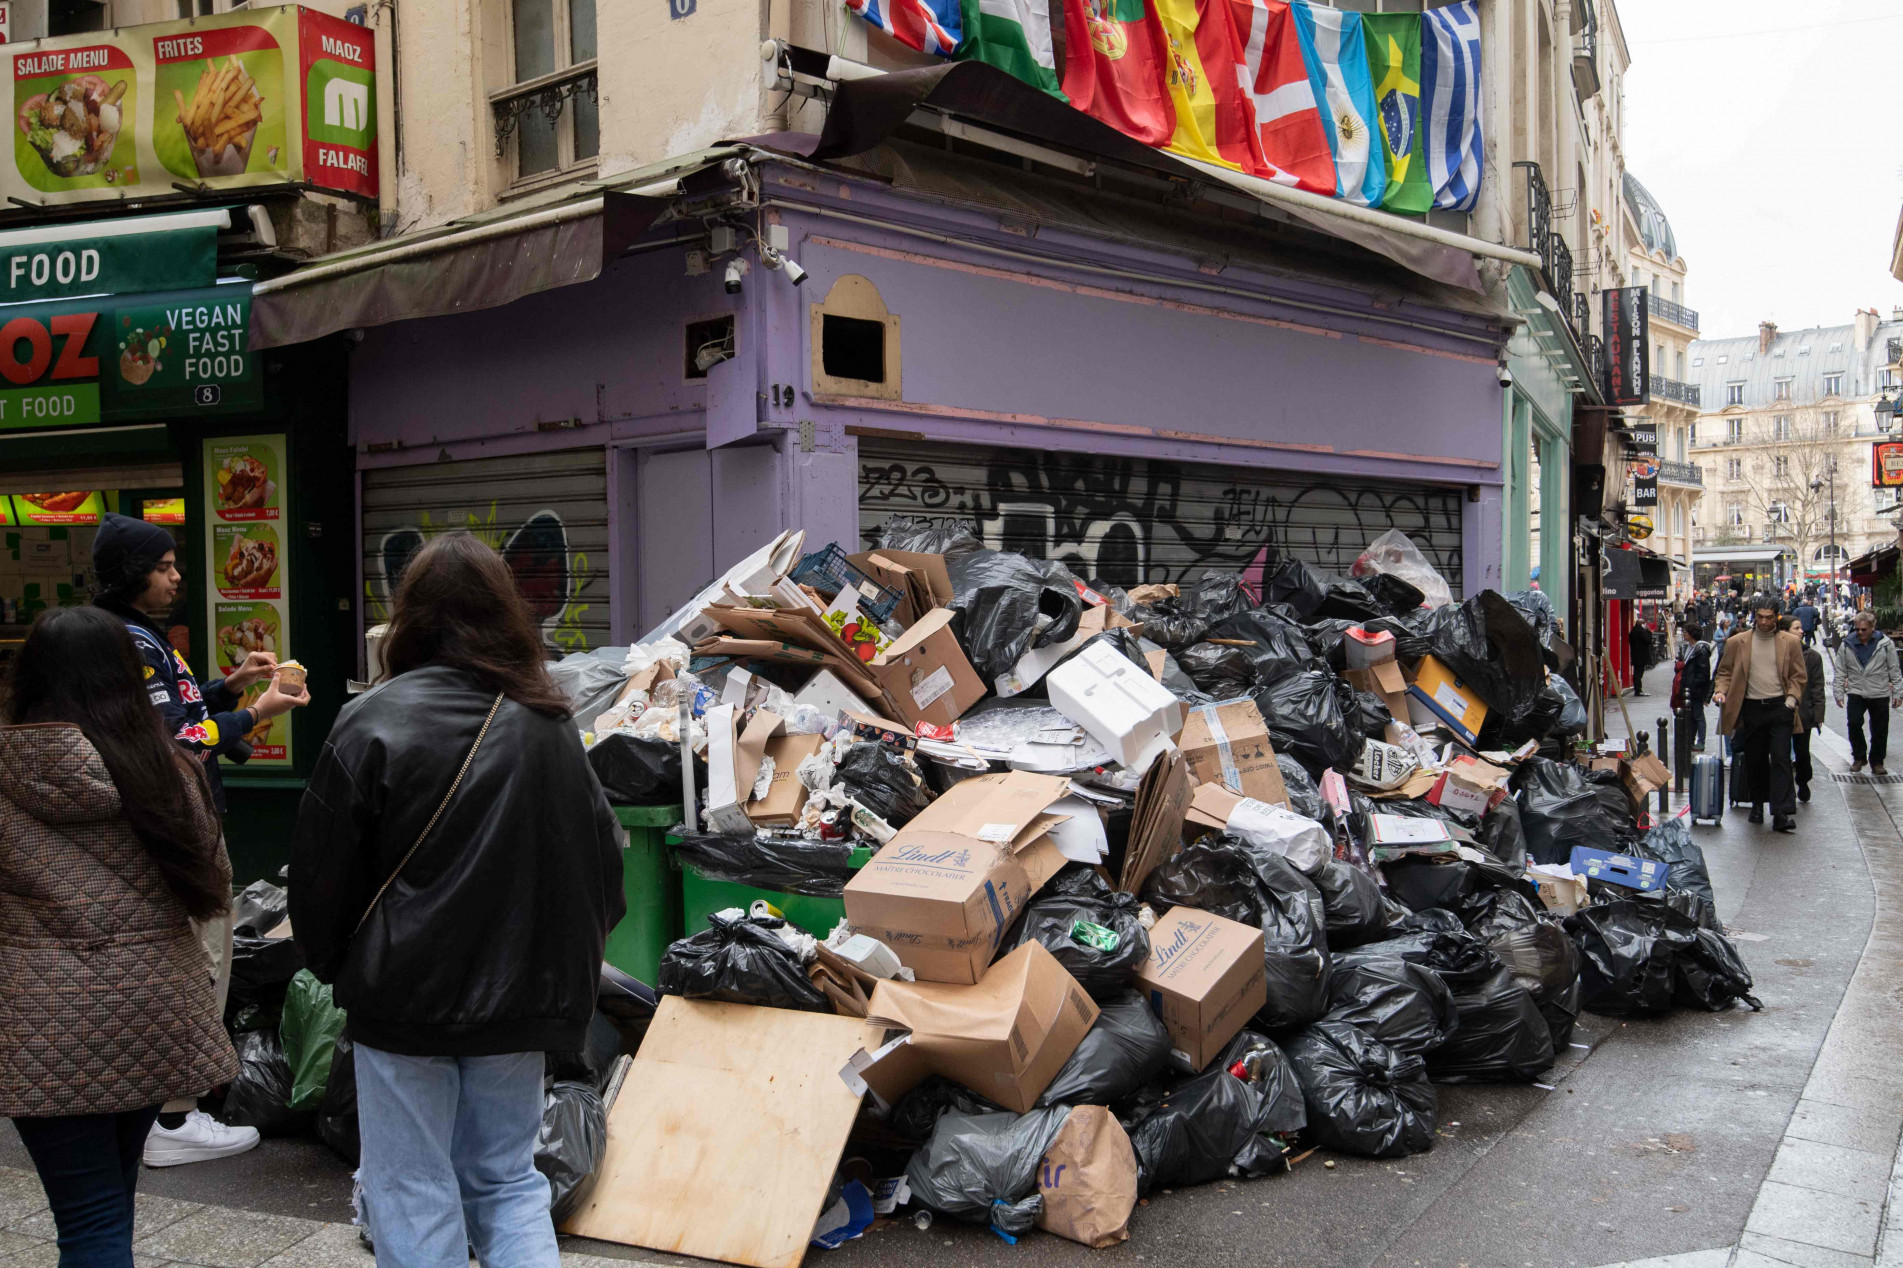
701	896
636	945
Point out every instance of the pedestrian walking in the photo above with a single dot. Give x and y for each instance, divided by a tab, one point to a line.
455	872
1807	615
1759	680
110	849
1810	714
1694	686
1868	678
1640	643
136	566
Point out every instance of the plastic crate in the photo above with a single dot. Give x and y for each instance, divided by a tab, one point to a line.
635	946
829	569
701	896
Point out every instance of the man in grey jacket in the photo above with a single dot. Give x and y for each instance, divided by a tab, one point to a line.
1868	679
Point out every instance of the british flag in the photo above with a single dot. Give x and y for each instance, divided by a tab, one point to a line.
930	26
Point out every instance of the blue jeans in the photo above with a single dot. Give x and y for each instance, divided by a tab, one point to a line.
89	1166
449	1160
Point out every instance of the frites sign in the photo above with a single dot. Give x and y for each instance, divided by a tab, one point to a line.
240	100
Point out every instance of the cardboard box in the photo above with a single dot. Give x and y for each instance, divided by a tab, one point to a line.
733	761
830	696
943	891
1156	820
1470	785
1560	891
786	796
1005	1038
1123	708
1364	649
1448	699
1643	775
920	578
1205	978
1644	875
1387	681
924	674
1228	744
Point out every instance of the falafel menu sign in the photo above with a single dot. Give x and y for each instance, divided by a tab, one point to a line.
255	97
249	567
125	358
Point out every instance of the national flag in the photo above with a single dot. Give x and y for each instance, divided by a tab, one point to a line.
930	26
1214	121
1450	101
1289	124
1337	59
1394	63
1114	67
1014	36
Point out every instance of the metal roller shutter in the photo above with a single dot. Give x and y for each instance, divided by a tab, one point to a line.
546	513
1131	520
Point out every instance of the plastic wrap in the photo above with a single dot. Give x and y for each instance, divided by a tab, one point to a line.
880	778
310	1029
1561	808
1352	900
260	1096
1393	554
1303	705
1222	1121
1052	916
927	537
740	962
568	1148
1363	1097
790	864
641	770
1121	1051
1405	1006
983	1167
590	682
1628	953
1007	604
1502	1036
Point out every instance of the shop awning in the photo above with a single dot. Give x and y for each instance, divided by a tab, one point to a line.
482	261
1631	575
1740	555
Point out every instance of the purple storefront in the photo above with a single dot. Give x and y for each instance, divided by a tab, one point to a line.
1150	388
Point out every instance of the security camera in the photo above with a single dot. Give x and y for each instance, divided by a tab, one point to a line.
736	273
794	273
1505	376
780	262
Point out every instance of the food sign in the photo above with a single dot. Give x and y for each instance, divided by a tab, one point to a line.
56	509
249	568
250	98
1886	464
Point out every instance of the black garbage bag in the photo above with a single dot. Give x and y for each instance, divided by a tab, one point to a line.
740	962
1502	1036
919	1110
818	868
1363	1097
1711	975
1541	957
1305	705
1104	955
1541	719
1405	1006
1223	1121
1344	599
1462	960
1223	672
337	1113
260	1096
1489	647
1469	890
1273	634
594	1062
1293	582
259	908
569	1146
1217	596
1166	624
1212	874
261	969
1671	843
627	1002
983	1167
884	781
1304	796
1006	604
1395	596
1352	900
1561	808
1628	952
1325	639
927	537
641	770
1123	1049
1503	836
1561	1011
1536	609
1367	714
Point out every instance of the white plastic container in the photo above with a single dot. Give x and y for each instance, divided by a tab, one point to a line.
1124	708
1365	649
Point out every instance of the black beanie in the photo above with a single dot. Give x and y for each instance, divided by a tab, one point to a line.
125	550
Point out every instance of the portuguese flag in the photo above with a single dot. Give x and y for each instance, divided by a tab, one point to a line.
1115	67
1394	64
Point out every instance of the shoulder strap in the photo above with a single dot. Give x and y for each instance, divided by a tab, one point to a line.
430	826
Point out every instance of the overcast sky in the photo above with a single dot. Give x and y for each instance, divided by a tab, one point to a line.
1772	134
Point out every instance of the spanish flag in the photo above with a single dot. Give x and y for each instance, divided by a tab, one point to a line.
1214	120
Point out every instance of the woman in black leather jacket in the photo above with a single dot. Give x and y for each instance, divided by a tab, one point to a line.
463	935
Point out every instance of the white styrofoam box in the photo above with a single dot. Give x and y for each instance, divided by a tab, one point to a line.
1119	703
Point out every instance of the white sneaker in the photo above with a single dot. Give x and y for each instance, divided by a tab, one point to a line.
199	1139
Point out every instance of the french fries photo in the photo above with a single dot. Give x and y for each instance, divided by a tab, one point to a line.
224	112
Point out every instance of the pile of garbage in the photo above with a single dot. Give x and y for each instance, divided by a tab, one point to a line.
1164	884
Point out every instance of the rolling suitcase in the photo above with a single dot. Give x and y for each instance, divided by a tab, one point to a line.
1708	789
1739	793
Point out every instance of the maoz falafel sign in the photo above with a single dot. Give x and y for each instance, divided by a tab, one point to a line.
255	97
132	357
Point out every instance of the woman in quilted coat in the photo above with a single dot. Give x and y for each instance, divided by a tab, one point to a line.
109	848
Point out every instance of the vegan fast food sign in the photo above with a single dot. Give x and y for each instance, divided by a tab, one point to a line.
240	100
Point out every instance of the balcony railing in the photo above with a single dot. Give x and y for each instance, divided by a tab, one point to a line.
548	93
1673	390
1685	475
1677	314
1556	258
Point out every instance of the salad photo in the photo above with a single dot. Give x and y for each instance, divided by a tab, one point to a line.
74	126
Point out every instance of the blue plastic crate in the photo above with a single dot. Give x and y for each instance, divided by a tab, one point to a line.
830	570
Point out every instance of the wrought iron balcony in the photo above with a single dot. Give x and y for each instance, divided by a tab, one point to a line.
1556	258
548	93
1673	390
1686	475
1677	314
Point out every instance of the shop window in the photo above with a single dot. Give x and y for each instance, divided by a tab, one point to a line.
855	342
708	344
552	109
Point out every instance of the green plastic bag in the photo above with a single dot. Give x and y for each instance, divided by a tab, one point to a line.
310	1029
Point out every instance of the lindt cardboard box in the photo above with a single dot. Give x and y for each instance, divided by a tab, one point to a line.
1205	978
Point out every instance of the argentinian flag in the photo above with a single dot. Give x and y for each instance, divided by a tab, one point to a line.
1337	60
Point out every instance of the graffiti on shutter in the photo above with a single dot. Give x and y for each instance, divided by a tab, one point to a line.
1130	520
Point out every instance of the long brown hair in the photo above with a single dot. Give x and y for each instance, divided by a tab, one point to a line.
458	604
79	666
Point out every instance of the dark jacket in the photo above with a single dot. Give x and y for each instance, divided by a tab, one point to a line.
1806	615
1639	640
490	941
1697	681
1810	705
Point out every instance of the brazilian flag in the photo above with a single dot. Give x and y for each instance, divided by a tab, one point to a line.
1394	63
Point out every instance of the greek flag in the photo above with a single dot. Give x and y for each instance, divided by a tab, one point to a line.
1450	97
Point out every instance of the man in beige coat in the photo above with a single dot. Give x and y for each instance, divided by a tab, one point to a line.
1757	685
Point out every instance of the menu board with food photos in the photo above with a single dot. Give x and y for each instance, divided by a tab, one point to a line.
247	569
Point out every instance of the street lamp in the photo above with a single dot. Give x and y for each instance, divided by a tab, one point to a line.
1887	411
1817	485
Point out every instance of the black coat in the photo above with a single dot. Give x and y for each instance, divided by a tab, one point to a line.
1639	640
490	941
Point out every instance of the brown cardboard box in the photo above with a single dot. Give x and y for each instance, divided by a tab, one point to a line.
801	627
1470	784
1206	975
943	890
924	674
1004	1038
919	577
785	796
1385	680
1643	775
1156	820
1228	744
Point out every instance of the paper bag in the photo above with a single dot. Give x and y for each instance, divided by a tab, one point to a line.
1088	1178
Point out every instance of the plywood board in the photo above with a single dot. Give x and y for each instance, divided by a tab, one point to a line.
726	1133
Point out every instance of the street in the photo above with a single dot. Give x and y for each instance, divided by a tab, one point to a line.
1696	1133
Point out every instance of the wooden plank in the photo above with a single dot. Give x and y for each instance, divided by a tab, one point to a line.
726	1133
